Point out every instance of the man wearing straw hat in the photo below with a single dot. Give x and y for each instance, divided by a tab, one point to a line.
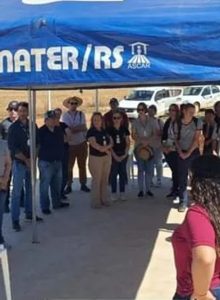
78	148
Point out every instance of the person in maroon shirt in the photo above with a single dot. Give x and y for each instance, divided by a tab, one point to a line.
196	242
108	117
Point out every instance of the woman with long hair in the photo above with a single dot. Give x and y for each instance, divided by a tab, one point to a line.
169	149
142	133
100	145
188	132
196	242
121	143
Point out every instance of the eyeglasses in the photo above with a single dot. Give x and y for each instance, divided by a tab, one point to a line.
73	103
116	118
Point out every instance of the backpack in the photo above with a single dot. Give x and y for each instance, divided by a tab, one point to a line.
179	127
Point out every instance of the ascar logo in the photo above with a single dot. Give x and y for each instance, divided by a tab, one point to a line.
69	58
37	2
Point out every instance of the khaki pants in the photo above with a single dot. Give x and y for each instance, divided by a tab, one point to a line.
79	152
100	169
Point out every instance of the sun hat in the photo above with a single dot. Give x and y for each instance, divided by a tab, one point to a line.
144	152
72	99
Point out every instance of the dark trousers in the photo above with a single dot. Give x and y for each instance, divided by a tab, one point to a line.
79	153
118	169
172	159
183	171
65	168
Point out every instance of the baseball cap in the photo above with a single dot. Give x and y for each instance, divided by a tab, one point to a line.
13	105
50	114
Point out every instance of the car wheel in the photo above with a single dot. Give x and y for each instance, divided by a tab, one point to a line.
197	107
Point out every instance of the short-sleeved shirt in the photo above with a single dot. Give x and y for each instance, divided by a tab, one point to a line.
108	119
73	119
158	126
3	153
187	133
6	124
119	138
51	144
102	138
196	230
143	129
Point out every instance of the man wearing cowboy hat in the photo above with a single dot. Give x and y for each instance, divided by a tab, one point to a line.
76	122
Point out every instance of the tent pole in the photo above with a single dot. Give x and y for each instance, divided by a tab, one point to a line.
49	101
97	100
32	129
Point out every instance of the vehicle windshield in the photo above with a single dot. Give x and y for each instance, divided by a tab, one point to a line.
192	91
140	95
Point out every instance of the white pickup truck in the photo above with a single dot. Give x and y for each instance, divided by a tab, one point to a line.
201	96
161	97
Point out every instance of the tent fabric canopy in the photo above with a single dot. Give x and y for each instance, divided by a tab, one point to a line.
46	44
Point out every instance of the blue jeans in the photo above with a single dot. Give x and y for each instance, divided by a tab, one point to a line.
158	163
183	170
2	207
118	168
145	173
50	177
216	293
21	176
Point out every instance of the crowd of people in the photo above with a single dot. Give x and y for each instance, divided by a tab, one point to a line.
65	137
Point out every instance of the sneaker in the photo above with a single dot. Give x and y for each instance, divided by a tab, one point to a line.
85	188
141	194
46	211
30	218
182	207
123	197
68	190
114	197
62	205
16	226
149	193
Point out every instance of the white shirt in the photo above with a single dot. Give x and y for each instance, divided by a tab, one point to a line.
73	119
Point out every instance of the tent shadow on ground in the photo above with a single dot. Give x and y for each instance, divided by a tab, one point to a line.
88	254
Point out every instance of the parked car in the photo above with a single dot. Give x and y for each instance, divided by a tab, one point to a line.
161	97
201	96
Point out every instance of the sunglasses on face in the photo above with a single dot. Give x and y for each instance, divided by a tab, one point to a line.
116	118
73	103
12	109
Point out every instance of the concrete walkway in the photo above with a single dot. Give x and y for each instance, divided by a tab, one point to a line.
121	252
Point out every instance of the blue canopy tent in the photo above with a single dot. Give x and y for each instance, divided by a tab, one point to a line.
46	44
54	44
